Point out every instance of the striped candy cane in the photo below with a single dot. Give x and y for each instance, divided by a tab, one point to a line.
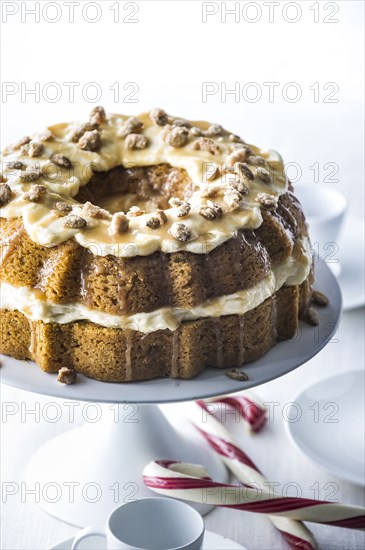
189	482
295	532
249	407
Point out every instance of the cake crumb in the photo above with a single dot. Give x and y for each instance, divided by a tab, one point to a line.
119	224
61	160
72	221
66	376
237	374
319	298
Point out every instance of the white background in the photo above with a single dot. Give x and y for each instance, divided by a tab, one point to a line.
169	53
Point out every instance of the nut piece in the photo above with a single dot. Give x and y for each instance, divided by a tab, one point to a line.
232	200
238	186
263	174
66	376
79	131
174	201
46	135
136	141
72	221
211	211
35	149
97	115
135	211
15	165
131	126
180	232
195	132
61	160
319	298
90	141
62	207
183	210
33	174
214	130
5	194
119	224
256	160
35	193
312	317
23	141
157	220
240	155
159	117
96	212
267	201
237	374
181	122
244	170
177	137
206	144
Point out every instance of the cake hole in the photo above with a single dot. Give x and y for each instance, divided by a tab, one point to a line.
147	187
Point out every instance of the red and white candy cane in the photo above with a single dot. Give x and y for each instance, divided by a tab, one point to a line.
295	532
248	406
191	482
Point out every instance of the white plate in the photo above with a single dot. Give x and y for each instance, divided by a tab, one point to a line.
212	541
280	360
331	429
351	258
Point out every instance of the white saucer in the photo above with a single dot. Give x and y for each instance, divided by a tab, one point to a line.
351	259
212	541
335	438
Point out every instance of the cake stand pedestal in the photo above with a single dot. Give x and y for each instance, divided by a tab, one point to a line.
85	472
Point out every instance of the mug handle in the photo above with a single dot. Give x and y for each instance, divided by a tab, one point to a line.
98	531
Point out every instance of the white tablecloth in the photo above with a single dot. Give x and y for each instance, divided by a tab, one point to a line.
25	526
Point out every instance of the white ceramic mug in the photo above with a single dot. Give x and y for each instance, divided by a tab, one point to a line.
149	524
324	209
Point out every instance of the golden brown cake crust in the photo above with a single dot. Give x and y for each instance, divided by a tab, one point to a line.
117	355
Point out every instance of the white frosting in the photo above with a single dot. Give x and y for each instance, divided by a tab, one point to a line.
30	302
46	228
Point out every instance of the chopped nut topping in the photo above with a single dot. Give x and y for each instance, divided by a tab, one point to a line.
214	173
195	132
263	174
62	207
183	209
209	191
131	126
180	232
35	148
24	141
237	374
5	194
211	211
97	115
35	193
79	131
214	130
96	212
267	201
159	117
232	200
319	298
90	141
135	211
33	174
136	141
66	376
182	123
312	317
256	160
119	224
177	136
72	221
157	220
206	144
239	186
15	165
61	160
240	155
46	135
174	201
233	138
244	171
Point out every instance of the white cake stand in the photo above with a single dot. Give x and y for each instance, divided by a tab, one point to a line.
87	471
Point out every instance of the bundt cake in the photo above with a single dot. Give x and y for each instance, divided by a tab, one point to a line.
138	247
